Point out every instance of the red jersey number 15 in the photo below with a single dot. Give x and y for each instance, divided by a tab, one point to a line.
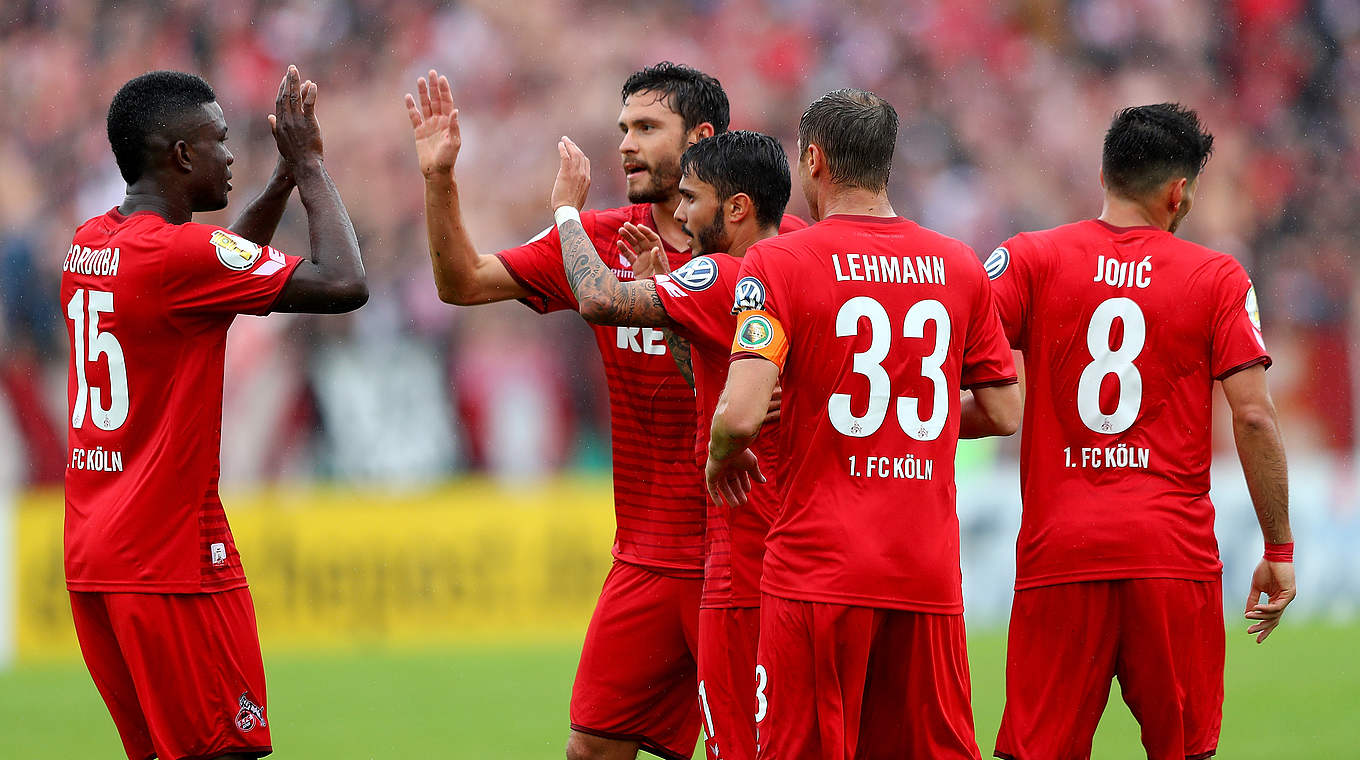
90	346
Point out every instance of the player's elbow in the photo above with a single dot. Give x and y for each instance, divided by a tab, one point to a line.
1254	420
596	310
1003	408
733	424
349	295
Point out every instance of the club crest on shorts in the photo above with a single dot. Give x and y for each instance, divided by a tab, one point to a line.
235	252
997	263
755	333
250	714
750	294
699	273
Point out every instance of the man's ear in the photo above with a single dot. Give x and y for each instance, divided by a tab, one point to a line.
1176	194
738	208
181	157
816	160
700	132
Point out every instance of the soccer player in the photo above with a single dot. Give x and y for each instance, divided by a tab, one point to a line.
733	189
636	681
161	606
1125	328
873	325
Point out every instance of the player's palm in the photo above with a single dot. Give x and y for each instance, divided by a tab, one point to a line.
434	124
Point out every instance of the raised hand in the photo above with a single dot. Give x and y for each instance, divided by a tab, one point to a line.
296	131
573	177
1276	581
434	124
642	248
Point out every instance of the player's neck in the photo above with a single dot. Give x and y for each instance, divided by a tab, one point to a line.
663	216
745	238
855	201
144	195
1122	212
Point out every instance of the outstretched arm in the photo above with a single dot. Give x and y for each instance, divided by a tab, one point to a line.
260	218
601	298
1256	430
333	280
461	275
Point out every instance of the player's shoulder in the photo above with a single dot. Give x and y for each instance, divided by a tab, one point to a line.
701	273
613	218
792	223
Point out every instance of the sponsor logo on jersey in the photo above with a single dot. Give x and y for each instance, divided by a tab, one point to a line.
997	263
218	553
272	265
750	295
699	274
235	252
250	715
755	333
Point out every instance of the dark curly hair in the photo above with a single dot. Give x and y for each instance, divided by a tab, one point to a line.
1148	145
148	105
694	95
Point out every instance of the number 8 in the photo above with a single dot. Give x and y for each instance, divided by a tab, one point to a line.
1117	362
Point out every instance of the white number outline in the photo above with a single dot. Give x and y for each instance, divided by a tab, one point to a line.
1117	362
100	344
869	363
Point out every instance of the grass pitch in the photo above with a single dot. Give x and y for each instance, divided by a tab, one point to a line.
1295	696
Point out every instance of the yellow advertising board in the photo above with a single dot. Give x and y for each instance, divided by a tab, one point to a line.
333	567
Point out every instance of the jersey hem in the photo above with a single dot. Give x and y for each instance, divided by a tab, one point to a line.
645	744
1012	380
536	300
1022	584
142	587
856	600
259	750
1262	359
662	568
735	604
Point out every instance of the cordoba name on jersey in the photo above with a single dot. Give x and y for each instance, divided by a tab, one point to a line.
96	261
896	269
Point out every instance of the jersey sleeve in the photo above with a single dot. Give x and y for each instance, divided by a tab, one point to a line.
537	267
211	270
1009	268
987	358
698	298
1236	342
760	331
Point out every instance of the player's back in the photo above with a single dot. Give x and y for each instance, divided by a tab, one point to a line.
147	306
885	321
1124	332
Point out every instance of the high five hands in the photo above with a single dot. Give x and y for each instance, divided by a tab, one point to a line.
434	124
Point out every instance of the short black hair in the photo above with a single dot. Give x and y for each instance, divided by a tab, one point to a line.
145	106
689	92
1148	145
743	162
857	130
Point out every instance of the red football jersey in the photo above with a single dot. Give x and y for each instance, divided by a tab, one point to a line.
147	306
878	324
1124	331
658	496
698	298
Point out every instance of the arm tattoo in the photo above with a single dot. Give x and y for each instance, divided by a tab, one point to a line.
602	298
680	353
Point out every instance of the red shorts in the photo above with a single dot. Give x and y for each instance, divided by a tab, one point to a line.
1162	638
180	673
836	681
727	674
637	677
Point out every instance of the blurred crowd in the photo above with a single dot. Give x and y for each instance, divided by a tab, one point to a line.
1003	106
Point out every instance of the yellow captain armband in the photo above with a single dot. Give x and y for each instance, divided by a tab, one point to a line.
760	334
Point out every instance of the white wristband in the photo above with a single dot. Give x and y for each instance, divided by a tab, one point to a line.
563	213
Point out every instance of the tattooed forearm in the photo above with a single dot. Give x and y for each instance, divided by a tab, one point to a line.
680	353
602	298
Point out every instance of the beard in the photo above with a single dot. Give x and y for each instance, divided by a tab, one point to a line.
710	238
665	180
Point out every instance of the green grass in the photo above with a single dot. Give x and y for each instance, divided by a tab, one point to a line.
1294	697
